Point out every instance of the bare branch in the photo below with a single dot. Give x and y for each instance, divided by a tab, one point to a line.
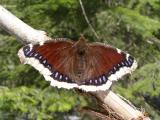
18	28
123	109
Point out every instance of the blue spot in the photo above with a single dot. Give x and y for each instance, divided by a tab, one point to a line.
26	48
49	66
31	54
130	59
126	63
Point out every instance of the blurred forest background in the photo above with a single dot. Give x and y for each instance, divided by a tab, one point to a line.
131	25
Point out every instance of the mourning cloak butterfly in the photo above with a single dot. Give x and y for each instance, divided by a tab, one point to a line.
69	64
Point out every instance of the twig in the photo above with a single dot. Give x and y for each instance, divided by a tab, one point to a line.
86	18
26	34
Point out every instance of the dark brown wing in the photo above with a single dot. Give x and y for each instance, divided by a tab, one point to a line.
106	61
59	56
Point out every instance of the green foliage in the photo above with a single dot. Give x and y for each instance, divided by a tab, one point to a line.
22	102
141	24
110	30
132	26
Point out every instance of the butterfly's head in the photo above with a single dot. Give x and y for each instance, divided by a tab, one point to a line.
81	45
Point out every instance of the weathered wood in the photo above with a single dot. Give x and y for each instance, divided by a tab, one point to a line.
18	28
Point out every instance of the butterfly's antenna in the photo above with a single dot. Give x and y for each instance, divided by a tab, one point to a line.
86	18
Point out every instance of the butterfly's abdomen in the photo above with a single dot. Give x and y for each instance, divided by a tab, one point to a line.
80	63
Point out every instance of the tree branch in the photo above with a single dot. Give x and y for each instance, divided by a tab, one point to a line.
27	34
119	106
18	28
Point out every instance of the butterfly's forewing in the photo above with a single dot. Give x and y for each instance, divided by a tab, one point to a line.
57	54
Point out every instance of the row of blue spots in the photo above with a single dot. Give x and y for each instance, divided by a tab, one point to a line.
62	78
32	53
103	78
55	74
97	81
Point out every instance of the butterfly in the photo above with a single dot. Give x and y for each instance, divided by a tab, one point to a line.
78	64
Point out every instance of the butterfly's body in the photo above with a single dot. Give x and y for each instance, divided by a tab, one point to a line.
79	54
83	65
